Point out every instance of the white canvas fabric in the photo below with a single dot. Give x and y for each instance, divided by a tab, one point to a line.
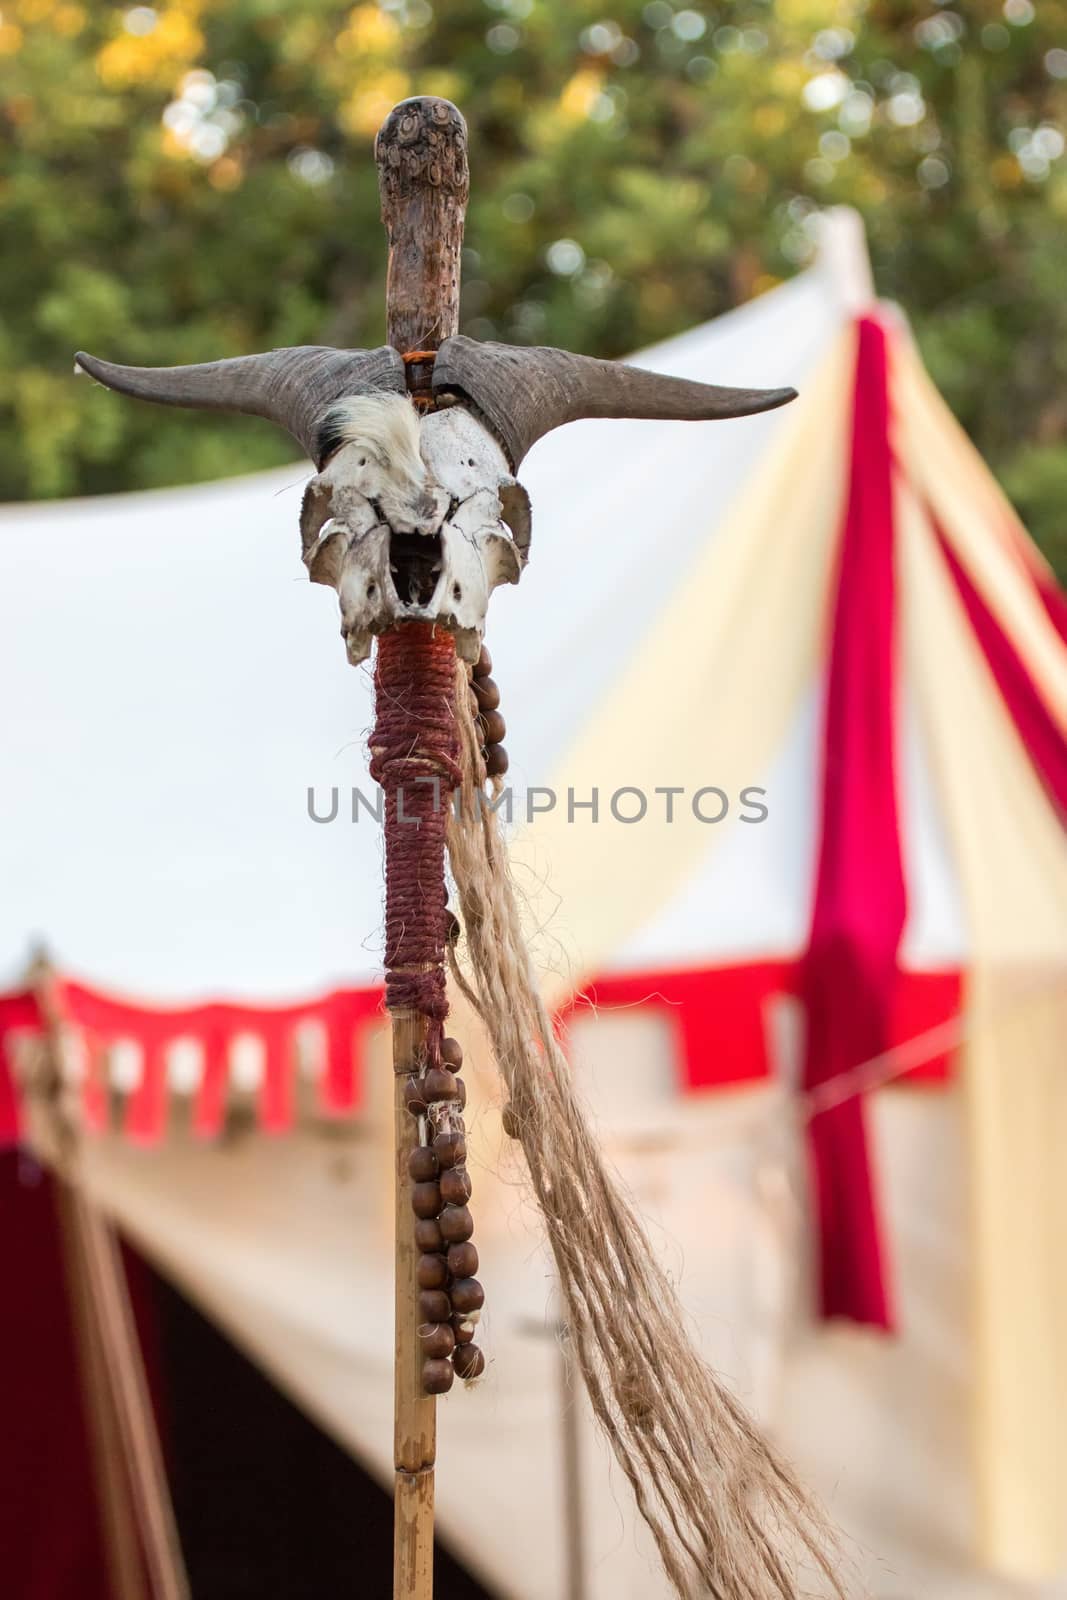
177	686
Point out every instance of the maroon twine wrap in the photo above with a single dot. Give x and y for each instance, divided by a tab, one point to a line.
415	757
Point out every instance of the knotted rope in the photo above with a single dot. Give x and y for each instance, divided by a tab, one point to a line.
414	756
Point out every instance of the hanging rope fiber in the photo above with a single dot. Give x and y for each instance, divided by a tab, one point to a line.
728	1516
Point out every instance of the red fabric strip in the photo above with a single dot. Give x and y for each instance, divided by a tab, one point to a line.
10	1107
209	1107
923	1003
1038	730
347	1015
339	1077
1055	603
146	1107
848	974
718	1013
343	1014
18	1013
1052	596
720	1016
276	1096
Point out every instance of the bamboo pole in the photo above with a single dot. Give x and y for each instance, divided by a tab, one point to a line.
415	1413
421	152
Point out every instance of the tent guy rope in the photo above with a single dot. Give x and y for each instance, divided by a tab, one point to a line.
414	548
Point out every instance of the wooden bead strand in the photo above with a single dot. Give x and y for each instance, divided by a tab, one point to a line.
485	701
450	1296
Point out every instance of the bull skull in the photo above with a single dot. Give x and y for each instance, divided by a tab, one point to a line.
418	517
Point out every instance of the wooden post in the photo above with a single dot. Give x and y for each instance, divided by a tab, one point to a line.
421	151
570	1432
570	1423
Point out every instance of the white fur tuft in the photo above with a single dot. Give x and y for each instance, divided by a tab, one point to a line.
387	427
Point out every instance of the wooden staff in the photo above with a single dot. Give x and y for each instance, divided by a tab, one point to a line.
421	152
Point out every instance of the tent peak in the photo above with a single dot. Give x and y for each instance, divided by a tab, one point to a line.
842	256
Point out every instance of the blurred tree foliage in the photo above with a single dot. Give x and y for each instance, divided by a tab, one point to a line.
193	179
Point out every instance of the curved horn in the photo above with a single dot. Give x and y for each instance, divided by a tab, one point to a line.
294	387
523	392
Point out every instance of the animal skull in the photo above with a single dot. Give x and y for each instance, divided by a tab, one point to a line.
413	521
419	520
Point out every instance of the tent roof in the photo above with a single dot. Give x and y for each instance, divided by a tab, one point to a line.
178	688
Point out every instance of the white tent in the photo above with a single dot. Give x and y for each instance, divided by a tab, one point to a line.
175	689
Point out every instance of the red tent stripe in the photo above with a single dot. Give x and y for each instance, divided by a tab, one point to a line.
1055	603
1038	729
848	975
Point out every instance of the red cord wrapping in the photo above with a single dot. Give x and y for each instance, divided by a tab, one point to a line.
413	743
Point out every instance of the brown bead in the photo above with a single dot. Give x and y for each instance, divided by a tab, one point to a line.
450	1149
423	1164
428	1236
486	694
462	1260
437	1340
437	1376
484	664
440	1084
510	1118
467	1295
414	1098
461	1094
468	1361
426	1199
493	727
496	761
431	1272
452	1053
434	1306
463	1330
455	1187
456	1224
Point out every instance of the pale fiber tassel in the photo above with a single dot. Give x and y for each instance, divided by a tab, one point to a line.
387	426
728	1516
